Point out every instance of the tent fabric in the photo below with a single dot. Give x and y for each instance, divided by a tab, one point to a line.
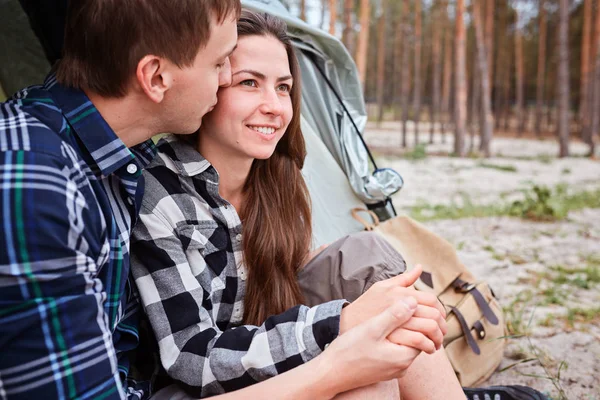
22	59
322	109
331	195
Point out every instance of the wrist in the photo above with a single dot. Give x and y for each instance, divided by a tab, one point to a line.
322	384
345	323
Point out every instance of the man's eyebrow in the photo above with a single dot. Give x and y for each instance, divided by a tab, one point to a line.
260	75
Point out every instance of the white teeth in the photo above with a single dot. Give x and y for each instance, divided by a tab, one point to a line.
265	130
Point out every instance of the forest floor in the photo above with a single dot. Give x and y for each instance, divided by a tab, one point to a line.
529	224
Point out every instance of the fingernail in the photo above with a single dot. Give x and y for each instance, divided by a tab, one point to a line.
410	302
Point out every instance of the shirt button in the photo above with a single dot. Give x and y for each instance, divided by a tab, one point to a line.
132	168
238	237
130	201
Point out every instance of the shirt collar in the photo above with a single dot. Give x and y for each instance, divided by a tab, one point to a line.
186	159
106	149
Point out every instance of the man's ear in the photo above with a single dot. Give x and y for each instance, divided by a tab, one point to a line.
154	77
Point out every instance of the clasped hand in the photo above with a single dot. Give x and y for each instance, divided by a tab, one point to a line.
423	332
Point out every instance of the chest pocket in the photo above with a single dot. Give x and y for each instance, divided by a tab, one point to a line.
211	240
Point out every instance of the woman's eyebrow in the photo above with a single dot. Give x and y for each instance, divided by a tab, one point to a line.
260	75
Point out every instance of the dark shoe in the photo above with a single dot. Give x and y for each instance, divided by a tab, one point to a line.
512	392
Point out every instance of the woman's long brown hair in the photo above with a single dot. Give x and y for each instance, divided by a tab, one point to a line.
276	212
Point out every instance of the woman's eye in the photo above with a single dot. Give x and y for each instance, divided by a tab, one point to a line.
284	87
248	82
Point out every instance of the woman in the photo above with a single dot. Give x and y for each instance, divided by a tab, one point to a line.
222	295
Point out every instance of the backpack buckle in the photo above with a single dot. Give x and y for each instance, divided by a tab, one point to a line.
461	286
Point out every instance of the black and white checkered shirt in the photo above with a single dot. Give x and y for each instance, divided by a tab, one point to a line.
187	263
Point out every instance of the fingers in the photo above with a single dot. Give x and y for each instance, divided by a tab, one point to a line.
428	328
393	317
403	357
426	299
407	278
433	314
416	340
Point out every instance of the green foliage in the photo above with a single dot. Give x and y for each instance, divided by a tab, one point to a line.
554	295
516	323
520	327
418	153
537	205
545	158
505	168
540	203
583	278
465	208
544	204
579	314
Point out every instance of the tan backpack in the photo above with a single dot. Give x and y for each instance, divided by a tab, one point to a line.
476	331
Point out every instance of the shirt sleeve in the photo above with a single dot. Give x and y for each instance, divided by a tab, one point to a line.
54	341
203	358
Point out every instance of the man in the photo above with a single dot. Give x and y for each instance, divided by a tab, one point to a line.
71	157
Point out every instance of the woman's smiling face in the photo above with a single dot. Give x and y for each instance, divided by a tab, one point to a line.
253	113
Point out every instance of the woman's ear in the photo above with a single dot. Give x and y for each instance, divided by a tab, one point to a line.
154	77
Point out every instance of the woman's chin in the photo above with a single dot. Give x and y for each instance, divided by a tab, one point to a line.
262	154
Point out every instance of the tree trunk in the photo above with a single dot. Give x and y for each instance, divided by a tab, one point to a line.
437	70
363	41
594	129
417	73
332	16
447	73
506	103
475	99
405	68
502	65
348	33
584	120
460	104
323	10
595	109
541	70
484	77
398	39
519	70
303	10
489	41
562	82
381	36
589	107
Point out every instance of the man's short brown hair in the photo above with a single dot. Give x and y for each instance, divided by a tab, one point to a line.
106	39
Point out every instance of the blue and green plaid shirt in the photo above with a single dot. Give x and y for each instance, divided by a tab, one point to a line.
70	194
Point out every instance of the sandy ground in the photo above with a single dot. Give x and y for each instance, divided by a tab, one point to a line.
537	269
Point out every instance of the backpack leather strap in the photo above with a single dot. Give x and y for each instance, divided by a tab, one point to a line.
465	287
466	331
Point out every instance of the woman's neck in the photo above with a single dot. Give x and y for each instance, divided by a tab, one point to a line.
233	170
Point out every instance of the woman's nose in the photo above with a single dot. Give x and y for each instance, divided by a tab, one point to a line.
271	103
